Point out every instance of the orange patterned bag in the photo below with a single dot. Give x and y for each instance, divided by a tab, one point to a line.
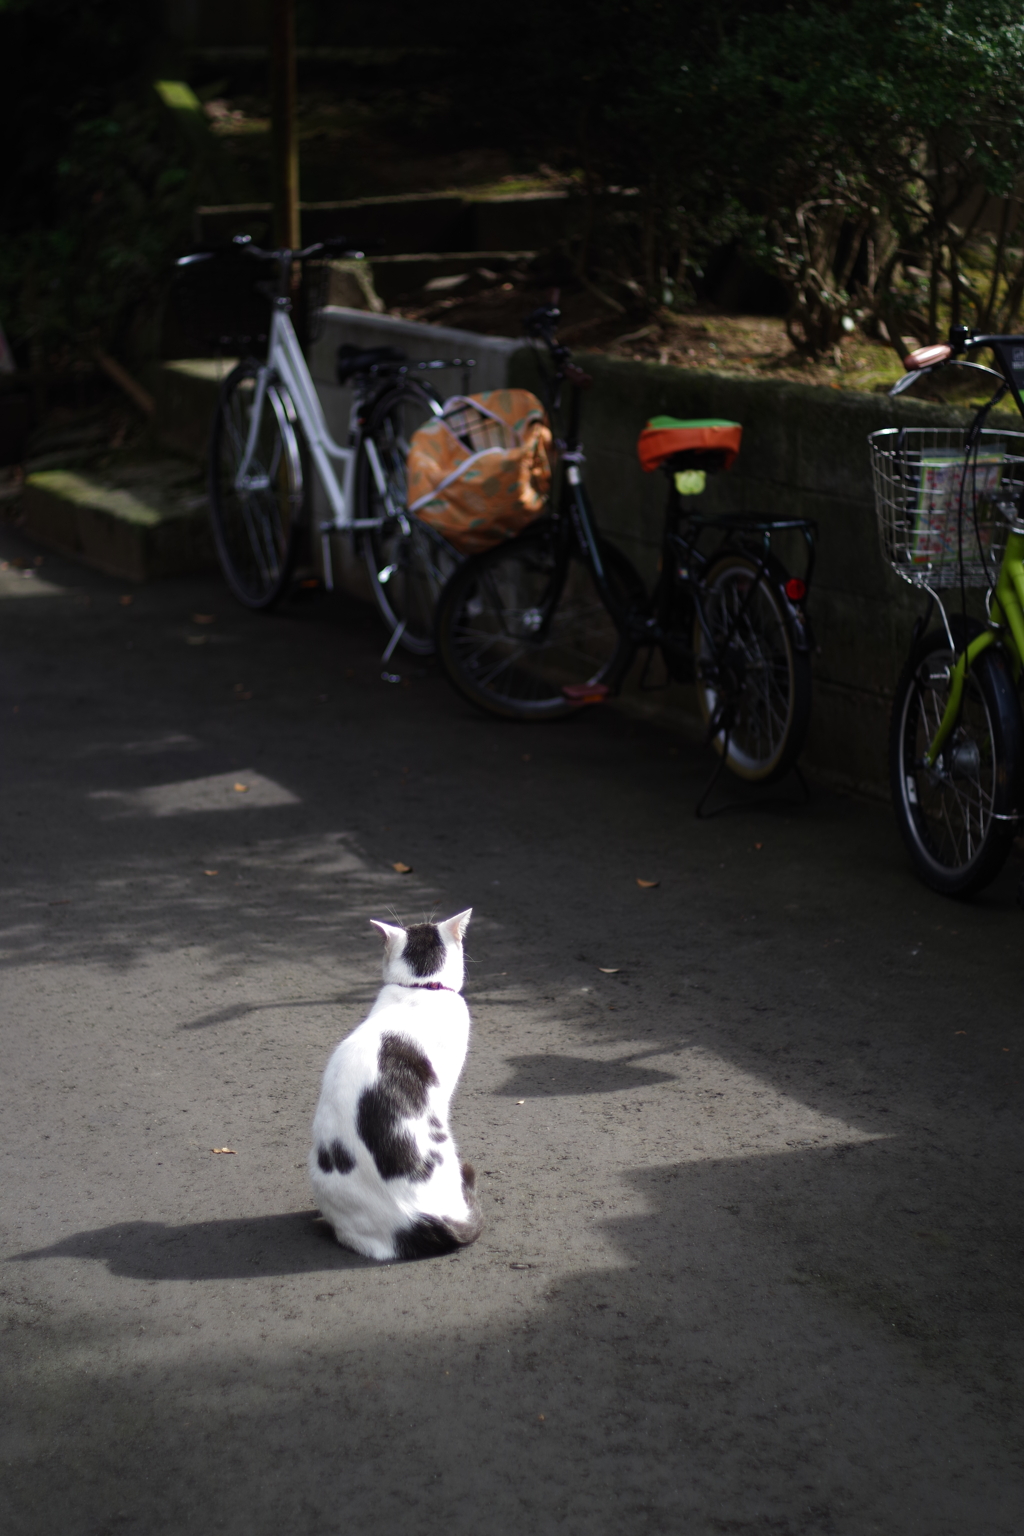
481	472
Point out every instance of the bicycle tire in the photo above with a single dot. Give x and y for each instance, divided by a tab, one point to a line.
255	530
408	569
950	817
762	682
497	601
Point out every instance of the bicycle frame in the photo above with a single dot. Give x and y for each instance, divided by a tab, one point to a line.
1006	613
286	364
1006	597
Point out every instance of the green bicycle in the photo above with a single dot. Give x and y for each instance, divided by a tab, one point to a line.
950	503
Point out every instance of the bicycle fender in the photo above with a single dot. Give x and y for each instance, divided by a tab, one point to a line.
803	635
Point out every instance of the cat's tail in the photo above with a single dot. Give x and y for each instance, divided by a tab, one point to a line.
431	1236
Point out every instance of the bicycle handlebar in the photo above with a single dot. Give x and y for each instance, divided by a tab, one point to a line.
335	243
541	324
283	257
924	360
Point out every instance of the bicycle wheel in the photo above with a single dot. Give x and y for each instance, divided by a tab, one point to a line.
520	622
408	561
957	818
255	525
751	677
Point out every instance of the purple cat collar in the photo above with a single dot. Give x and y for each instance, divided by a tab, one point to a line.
427	986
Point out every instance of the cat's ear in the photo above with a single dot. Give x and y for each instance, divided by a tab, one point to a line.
456	926
388	934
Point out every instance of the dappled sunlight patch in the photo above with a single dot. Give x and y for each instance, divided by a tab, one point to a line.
728	1112
244	789
27	582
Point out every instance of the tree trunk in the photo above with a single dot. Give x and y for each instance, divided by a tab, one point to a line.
285	143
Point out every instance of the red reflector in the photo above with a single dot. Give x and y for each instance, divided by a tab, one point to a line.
796	590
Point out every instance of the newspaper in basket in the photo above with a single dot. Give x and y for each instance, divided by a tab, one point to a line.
943	517
481	471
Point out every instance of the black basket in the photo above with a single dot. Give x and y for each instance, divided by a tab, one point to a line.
225	302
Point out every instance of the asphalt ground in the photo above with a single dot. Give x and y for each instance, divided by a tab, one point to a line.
749	1139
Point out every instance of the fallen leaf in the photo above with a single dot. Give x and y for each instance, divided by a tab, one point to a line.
126	600
609	970
526	757
959	1031
230	1150
204	618
211	871
520	1101
240	789
1006	1049
401	869
759	845
647	885
540	1418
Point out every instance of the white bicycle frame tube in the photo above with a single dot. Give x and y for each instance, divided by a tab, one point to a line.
285	363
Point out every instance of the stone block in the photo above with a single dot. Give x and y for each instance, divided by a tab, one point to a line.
155	525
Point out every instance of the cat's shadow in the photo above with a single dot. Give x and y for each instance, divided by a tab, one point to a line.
566	1076
294	1243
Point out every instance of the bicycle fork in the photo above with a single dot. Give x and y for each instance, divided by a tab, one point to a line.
1005	611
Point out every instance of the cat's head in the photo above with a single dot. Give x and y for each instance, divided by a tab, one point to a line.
425	951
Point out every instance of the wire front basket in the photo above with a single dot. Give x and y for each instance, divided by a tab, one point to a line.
225	303
943	518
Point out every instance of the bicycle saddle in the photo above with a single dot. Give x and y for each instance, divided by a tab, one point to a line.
708	445
352	360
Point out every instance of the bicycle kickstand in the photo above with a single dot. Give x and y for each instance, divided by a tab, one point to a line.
805	794
389	649
698	809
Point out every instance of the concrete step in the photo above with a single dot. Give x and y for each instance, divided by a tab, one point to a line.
186	393
140	521
418	221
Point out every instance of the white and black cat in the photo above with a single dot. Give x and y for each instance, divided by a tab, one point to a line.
384	1167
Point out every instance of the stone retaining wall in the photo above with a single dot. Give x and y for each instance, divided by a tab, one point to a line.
804	453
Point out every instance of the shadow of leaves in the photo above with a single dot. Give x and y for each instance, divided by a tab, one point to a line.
568	1076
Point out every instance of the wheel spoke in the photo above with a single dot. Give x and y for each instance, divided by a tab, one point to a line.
254	527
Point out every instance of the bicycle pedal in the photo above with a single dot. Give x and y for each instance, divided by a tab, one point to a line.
586	693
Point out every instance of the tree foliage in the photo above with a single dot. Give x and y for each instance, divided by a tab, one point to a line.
868	152
852	146
104	184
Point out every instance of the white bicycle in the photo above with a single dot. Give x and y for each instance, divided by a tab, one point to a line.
270	422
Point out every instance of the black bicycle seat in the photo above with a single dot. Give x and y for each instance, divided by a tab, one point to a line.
352	360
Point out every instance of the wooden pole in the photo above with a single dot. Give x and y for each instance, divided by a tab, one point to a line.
285	143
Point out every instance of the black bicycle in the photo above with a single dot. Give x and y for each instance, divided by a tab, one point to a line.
553	619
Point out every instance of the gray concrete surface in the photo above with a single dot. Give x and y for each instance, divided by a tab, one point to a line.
752	1261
